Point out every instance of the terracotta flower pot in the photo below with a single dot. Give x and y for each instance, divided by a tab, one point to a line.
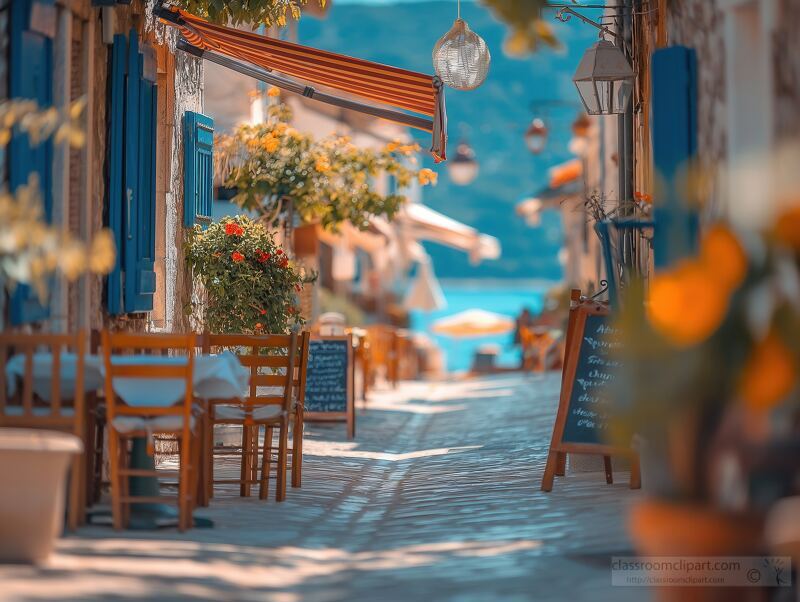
33	470
660	528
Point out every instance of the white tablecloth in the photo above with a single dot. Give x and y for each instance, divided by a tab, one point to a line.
219	376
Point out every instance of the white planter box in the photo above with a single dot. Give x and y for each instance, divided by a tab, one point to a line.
33	471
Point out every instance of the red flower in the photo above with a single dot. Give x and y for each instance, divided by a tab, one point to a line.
259	326
233	229
237	257
263	312
261	256
279	251
285	263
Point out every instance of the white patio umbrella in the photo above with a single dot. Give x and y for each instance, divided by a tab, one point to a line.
425	294
473	323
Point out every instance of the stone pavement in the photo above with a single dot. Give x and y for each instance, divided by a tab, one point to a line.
437	499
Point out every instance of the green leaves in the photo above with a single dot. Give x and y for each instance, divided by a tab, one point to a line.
247	12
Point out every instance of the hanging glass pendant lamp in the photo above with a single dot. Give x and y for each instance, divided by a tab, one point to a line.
461	57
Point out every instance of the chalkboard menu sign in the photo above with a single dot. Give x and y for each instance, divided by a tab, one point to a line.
329	381
588	403
589	371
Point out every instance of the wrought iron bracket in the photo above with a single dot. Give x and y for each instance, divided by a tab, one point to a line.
565	13
603	290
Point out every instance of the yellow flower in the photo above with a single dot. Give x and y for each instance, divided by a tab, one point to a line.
724	256
273	91
769	374
103	253
270	143
322	165
72	260
687	304
427	176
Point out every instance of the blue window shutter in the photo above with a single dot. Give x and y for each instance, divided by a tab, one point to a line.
31	77
139	182
115	193
674	102
198	183
143	280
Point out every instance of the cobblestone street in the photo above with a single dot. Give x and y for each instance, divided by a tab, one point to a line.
437	499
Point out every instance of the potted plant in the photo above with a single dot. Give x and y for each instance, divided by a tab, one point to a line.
710	383
251	285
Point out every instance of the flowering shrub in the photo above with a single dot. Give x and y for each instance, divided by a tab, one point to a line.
251	285
329	180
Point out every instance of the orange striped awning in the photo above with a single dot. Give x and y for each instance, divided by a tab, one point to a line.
375	82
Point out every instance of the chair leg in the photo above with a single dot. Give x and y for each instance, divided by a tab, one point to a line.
97	477
297	451
125	481
185	482
254	454
263	491
75	497
283	436
244	487
90	455
116	489
209	459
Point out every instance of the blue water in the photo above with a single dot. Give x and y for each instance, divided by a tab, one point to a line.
499	297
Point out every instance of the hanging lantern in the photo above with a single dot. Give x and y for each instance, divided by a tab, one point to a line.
581	126
604	79
461	58
463	168
536	136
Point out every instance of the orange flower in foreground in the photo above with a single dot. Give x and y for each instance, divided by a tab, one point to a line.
686	304
769	375
237	257
724	256
787	228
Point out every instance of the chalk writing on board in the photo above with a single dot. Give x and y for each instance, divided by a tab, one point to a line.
327	378
587	416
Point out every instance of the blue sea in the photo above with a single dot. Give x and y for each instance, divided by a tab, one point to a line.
502	297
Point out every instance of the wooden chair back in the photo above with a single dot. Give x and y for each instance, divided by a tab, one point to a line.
275	361
26	409
148	345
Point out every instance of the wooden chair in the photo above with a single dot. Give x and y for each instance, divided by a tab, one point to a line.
61	410
126	422
278	365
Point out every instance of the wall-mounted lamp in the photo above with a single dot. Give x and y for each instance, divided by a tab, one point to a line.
604	79
536	136
463	168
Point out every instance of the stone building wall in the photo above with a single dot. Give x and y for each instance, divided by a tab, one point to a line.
786	62
699	24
